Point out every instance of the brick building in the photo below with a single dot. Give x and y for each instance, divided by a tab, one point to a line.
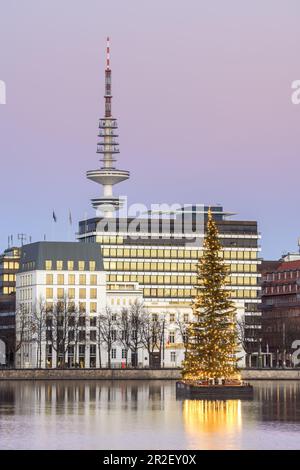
280	308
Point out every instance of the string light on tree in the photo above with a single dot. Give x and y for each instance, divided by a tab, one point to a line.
212	336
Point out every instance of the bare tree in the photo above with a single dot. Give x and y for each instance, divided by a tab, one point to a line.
151	334
23	327
241	331
124	331
107	328
136	319
59	326
99	338
161	330
77	326
38	328
182	327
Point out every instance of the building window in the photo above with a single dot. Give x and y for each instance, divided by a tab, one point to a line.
92	265
113	353
93	280
124	353
93	335
71	279
93	293
93	307
81	335
60	293
82	307
49	293
60	279
82	279
173	356
171	337
81	265
71	293
48	265
49	279
172	317
59	265
114	335
70	265
82	293
93	321
186	317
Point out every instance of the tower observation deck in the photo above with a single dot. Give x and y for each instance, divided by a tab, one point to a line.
108	175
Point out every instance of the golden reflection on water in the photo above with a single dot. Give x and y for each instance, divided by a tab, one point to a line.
202	417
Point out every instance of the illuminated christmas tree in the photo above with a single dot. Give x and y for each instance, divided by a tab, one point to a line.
212	336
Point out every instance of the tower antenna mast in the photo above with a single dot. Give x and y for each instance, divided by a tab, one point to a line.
108	175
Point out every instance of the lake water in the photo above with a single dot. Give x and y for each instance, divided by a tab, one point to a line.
144	415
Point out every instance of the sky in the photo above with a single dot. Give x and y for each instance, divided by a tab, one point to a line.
202	93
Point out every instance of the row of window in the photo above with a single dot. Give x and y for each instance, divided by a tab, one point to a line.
285	288
25	280
177	279
70	265
9	265
93	353
167	266
172	253
119	239
282	275
124	301
61	293
189	293
83	307
62	279
8	278
8	290
70	279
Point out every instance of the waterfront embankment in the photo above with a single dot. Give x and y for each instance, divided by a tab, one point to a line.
134	374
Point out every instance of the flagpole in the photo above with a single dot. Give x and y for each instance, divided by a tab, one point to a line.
54	221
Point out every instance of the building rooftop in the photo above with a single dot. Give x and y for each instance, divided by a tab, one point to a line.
34	255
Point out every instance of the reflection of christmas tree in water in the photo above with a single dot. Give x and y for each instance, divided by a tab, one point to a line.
211	416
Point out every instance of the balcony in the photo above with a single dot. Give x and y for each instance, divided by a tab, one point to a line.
107	132
108	124
107	148
112	141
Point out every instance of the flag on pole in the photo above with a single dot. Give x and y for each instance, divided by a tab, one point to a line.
70	217
54	216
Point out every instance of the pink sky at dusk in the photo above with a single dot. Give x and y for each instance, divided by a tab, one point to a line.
202	93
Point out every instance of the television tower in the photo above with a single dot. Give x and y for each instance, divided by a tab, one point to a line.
107	175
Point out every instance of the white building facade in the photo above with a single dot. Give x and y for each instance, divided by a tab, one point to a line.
58	281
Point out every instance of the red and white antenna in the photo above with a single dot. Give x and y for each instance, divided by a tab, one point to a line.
107	54
108	96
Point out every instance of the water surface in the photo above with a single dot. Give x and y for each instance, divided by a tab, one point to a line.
144	415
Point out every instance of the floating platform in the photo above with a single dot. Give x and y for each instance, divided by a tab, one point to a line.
214	392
